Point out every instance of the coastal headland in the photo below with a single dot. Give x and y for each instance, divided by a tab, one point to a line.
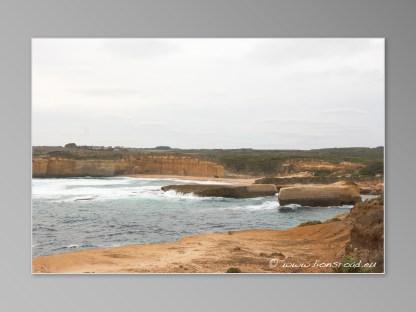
310	178
363	166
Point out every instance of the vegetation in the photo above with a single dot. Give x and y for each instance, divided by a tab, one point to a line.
322	173
250	164
373	168
365	250
239	161
334	219
313	222
163	147
269	162
348	265
70	145
233	270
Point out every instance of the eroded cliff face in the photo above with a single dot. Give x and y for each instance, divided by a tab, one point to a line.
145	164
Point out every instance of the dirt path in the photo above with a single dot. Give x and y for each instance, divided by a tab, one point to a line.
249	251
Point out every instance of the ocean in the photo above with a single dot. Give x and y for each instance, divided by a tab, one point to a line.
79	213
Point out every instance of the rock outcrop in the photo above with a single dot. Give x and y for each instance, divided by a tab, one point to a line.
340	193
367	233
230	191
59	167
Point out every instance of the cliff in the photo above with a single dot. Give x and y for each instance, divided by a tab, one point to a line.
59	167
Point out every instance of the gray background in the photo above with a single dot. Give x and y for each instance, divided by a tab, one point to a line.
19	21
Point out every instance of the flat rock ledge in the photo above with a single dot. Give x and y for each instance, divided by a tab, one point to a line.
340	193
228	191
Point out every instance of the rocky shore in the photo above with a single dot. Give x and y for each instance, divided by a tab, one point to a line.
344	244
336	194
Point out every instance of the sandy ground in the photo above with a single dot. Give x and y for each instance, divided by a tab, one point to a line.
253	251
237	180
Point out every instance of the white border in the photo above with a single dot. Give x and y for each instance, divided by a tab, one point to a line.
203	273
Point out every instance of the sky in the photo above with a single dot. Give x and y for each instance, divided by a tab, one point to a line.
209	93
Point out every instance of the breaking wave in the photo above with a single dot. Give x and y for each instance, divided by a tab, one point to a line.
90	189
266	205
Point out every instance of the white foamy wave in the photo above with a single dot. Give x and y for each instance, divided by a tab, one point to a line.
82	181
289	207
343	206
72	246
171	194
52	188
294	207
83	193
66	190
267	205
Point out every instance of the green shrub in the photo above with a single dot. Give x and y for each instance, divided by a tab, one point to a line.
233	270
313	222
70	145
322	173
347	266
373	168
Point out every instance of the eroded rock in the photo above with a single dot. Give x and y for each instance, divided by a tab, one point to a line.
230	191
340	193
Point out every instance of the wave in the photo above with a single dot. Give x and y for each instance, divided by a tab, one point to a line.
89	189
171	194
294	207
265	205
74	246
289	207
53	188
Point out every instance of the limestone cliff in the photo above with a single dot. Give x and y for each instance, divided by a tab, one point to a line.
140	164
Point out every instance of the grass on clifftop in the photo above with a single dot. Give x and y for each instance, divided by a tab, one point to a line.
244	161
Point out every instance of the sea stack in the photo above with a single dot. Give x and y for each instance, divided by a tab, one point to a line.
340	193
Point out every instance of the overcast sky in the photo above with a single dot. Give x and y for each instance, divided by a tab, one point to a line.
209	93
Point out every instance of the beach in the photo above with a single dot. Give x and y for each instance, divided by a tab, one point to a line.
239	180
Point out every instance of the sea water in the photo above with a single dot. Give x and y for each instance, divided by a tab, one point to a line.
79	213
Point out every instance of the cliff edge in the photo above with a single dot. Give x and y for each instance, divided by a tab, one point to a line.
62	167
